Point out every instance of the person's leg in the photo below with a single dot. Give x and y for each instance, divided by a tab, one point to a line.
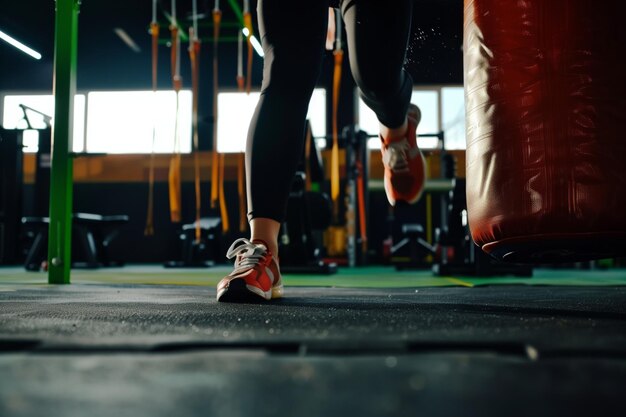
293	37
378	35
265	229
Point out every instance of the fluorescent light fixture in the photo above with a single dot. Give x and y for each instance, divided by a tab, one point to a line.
255	43
19	45
125	37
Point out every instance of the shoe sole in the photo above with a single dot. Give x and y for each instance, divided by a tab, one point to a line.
240	292
414	113
419	194
412	200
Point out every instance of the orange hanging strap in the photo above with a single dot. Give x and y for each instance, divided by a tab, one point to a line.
307	156
174	188
175	162
240	78
154	31
241	191
247	23
223	210
241	158
217	190
360	189
194	55
334	155
217	18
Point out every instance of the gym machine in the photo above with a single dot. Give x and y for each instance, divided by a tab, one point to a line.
308	213
11	178
414	251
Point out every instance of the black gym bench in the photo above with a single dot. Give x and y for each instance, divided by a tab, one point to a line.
92	232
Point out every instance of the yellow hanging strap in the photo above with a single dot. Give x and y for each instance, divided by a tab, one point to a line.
240	78
194	55
154	31
247	23
241	191
334	155
223	211
335	238
217	17
241	157
360	188
175	162
217	179
307	156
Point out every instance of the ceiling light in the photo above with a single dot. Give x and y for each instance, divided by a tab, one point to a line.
255	43
125	37
19	45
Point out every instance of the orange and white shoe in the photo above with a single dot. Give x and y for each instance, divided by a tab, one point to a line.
405	166
256	274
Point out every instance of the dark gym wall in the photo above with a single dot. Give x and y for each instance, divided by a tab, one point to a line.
106	63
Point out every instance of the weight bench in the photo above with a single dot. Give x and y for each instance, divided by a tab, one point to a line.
91	236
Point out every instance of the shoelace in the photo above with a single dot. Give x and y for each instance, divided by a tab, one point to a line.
396	156
251	254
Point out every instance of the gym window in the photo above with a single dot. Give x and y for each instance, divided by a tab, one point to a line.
453	116
20	110
236	110
443	108
122	121
108	121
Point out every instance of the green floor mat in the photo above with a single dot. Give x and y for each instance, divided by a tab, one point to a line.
363	277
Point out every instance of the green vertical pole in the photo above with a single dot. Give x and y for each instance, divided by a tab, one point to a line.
64	88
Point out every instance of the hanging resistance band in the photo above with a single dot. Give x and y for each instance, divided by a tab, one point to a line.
240	78
217	168
334	156
241	159
247	22
194	56
217	17
308	138
335	237
154	32
360	190
175	162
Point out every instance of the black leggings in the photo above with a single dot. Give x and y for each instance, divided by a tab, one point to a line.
293	35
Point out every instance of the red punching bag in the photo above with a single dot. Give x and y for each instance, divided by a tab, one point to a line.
545	87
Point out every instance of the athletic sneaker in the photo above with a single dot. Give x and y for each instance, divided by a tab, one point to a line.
405	167
256	274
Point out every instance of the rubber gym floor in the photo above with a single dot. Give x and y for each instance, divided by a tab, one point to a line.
369	341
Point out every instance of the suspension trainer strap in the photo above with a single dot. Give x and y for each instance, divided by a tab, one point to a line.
307	156
334	156
360	189
217	18
218	167
194	56
175	162
223	210
154	32
247	22
241	157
